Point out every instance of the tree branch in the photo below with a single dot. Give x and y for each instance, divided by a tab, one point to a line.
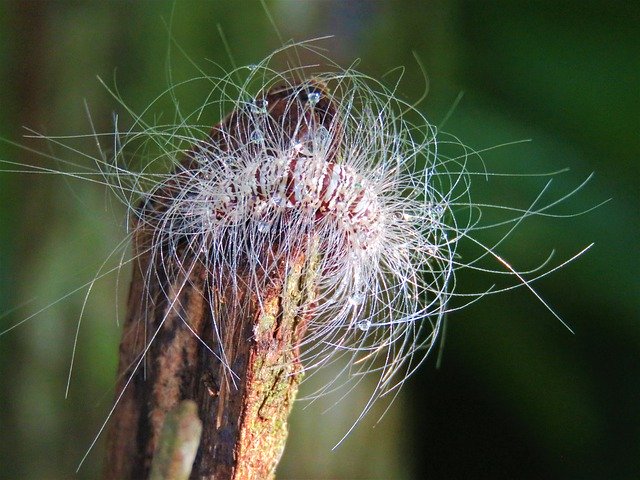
199	332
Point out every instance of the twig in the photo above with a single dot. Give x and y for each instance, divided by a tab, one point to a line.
195	334
244	418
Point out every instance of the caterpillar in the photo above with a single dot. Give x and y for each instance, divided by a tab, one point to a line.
299	165
299	182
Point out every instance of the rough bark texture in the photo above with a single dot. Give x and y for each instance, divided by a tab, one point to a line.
168	343
244	417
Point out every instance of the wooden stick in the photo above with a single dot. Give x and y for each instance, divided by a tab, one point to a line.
171	344
245	418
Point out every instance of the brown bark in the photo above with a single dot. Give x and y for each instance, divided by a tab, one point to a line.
170	350
244	417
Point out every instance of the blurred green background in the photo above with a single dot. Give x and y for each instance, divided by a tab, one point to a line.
517	396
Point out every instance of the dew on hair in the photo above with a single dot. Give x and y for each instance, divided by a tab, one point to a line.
259	106
364	325
322	135
263	226
435	212
257	136
278	200
357	298
313	98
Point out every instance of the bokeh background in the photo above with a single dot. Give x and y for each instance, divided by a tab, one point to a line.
516	395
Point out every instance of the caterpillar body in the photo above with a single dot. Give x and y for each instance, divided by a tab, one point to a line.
298	167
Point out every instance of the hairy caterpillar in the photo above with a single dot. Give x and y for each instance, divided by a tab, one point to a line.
290	173
385	219
297	169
